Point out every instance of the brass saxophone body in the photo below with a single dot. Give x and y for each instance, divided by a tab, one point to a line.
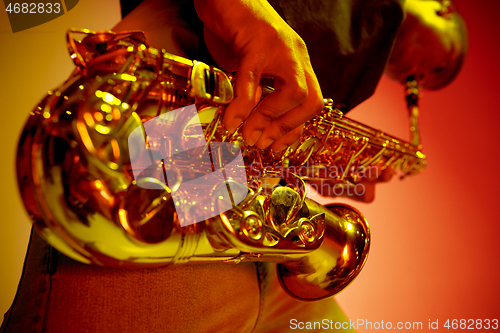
126	164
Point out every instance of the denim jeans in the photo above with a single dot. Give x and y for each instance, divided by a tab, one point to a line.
58	294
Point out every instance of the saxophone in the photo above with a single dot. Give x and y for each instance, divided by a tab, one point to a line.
126	164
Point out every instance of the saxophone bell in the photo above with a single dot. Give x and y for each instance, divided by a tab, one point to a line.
334	265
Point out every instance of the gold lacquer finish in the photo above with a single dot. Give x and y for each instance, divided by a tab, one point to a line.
329	269
126	164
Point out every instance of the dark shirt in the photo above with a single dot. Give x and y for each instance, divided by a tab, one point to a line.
349	41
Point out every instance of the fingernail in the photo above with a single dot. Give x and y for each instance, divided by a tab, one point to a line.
233	124
265	143
253	137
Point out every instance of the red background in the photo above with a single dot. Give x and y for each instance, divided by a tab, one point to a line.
436	235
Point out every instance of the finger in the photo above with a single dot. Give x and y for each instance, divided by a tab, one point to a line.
297	116
247	82
370	173
366	194
288	139
290	91
387	175
362	192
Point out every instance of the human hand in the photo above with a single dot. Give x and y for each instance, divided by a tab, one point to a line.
249	37
363	191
